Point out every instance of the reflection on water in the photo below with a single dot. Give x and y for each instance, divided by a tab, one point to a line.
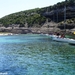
35	55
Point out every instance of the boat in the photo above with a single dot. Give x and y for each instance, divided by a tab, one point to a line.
59	39
66	40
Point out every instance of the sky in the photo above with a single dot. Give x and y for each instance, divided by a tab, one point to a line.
12	6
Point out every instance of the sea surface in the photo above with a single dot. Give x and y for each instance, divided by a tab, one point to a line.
35	54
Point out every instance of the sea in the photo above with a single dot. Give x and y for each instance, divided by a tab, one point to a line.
35	54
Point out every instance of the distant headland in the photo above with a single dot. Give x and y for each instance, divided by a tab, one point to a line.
41	20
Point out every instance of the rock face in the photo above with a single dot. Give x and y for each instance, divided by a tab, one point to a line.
48	27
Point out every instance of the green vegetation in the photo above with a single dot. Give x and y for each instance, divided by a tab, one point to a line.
35	17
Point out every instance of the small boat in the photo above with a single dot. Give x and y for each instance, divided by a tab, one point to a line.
66	40
59	39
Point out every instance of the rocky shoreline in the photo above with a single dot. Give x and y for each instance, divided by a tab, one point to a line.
47	28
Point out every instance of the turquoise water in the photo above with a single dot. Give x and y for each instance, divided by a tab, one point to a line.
33	54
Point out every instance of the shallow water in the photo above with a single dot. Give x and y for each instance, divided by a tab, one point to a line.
33	54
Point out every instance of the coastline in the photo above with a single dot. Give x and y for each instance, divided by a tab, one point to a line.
46	28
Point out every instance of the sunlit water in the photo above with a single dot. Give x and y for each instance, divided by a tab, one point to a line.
33	54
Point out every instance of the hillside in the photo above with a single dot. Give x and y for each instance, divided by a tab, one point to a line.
37	17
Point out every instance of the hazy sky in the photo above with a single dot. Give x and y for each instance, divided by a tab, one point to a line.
11	6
